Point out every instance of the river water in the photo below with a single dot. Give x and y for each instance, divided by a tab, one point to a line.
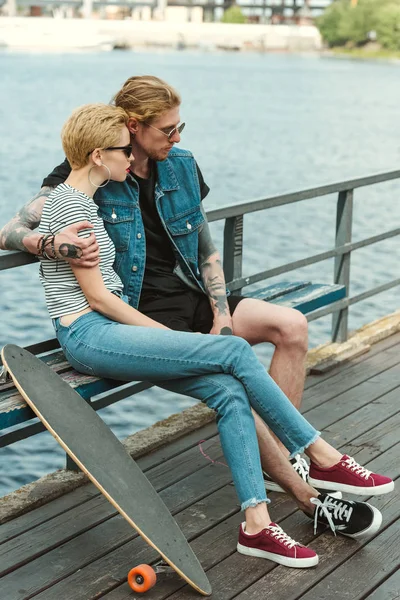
259	125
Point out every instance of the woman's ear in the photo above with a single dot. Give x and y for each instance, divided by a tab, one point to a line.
96	157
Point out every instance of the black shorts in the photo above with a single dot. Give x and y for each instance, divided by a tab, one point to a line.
190	311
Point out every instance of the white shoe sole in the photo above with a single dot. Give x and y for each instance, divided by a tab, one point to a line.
373	528
271	486
297	563
352	489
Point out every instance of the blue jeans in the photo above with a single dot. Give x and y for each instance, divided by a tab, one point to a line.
221	371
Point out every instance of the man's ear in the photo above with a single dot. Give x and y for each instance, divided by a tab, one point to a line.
133	125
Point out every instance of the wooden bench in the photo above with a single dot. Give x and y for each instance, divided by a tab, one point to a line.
303	296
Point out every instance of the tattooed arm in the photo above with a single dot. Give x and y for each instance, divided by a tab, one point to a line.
213	278
17	234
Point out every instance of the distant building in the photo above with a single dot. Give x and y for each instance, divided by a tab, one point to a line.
301	12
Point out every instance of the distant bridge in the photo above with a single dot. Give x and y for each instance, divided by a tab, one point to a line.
275	5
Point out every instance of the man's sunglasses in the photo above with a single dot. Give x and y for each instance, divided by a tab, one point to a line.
127	150
170	134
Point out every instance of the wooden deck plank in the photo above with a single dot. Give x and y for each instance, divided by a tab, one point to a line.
361	372
378	348
347	402
364	570
368	417
388	590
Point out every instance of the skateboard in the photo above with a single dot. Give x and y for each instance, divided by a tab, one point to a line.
99	453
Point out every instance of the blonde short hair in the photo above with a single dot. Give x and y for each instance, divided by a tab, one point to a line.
91	126
146	98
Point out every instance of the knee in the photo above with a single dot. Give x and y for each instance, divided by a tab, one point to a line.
293	332
225	393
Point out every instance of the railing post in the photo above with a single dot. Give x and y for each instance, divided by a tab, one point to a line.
344	222
70	464
233	248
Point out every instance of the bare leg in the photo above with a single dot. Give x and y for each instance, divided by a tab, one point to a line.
257	518
323	454
257	321
281	471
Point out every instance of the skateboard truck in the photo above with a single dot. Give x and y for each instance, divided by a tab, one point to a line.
143	577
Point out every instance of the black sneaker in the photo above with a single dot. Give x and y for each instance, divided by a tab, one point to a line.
350	518
299	465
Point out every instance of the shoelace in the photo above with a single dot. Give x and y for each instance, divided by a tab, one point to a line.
301	467
357	468
341	511
278	533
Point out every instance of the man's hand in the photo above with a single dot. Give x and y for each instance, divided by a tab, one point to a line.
222	326
81	252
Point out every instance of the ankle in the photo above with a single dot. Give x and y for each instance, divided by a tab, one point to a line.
257	518
326	462
323	455
304	503
254	528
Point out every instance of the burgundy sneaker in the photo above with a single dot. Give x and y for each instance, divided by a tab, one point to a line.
273	543
348	476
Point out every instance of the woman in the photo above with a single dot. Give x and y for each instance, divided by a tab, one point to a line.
101	334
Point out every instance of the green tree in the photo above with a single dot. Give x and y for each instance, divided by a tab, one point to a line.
233	14
388	26
342	23
330	22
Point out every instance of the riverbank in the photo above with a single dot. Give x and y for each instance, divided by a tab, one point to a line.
364	54
46	34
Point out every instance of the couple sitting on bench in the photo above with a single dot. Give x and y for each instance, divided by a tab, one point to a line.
136	291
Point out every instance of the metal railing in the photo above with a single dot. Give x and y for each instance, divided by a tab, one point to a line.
233	245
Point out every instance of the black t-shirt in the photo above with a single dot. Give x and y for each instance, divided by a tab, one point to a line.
58	175
159	278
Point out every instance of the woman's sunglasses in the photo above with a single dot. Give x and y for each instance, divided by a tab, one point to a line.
127	150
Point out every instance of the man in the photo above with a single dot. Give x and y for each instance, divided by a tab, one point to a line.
172	271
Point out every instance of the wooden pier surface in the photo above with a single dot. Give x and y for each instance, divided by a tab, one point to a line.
78	548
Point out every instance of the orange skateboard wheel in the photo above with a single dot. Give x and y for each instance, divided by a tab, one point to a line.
142	578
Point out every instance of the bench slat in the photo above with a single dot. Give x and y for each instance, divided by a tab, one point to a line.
272	292
312	297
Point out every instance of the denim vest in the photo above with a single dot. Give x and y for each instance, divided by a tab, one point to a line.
177	198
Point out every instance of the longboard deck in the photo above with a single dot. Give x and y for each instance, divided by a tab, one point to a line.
99	453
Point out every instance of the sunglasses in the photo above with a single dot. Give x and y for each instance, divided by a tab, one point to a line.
127	150
170	134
